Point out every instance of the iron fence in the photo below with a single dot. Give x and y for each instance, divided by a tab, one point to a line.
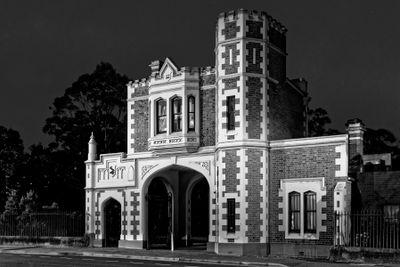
367	229
60	224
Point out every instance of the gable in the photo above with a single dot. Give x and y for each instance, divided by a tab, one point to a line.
168	69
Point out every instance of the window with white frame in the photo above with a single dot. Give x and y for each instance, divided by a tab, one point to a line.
161	111
176	114
191	113
302	207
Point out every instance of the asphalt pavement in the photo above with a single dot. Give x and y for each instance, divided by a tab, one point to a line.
72	256
13	260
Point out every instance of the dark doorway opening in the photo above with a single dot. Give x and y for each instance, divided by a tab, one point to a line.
159	215
199	201
112	223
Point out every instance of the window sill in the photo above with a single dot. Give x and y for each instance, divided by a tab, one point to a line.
307	236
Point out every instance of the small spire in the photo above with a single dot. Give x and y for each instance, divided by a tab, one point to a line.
92	139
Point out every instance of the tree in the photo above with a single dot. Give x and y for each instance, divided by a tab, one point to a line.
95	103
382	141
11	207
317	121
11	156
27	204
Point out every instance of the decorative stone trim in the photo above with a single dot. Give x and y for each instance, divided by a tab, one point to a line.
302	185
146	169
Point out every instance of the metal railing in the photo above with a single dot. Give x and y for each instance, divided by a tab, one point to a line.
367	229
60	224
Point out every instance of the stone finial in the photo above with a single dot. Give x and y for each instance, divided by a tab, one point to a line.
92	148
92	140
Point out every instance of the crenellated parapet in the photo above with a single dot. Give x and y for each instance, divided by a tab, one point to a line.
254	15
138	88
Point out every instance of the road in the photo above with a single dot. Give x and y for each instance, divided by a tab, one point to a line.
26	260
13	260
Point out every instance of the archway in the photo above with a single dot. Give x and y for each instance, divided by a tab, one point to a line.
112	223
199	207
159	214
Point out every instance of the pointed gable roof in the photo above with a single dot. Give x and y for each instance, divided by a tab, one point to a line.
168	68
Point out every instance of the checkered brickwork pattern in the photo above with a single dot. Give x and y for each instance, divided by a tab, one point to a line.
254	65
254	108
231	49
135	214
254	198
123	213
230	83
225	217
225	114
254	29
231	171
230	30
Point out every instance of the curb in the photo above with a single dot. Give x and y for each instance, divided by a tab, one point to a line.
139	257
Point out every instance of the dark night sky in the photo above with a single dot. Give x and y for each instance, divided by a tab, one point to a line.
348	51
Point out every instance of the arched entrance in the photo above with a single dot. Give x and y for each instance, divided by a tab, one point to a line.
171	194
159	215
199	207
112	223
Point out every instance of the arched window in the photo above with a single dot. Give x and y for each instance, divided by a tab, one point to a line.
191	113
161	110
176	114
294	212
310	212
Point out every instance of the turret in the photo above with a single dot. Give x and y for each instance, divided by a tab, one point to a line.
92	154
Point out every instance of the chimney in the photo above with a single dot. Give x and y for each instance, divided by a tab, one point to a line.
355	130
155	67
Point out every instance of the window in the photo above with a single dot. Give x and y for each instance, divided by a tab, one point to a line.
191	113
310	212
161	111
231	215
177	114
231	112
302	202
294	212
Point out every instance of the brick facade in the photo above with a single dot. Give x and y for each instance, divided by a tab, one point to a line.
140	125
231	171
254	199
245	152
287	112
254	107
304	162
207	111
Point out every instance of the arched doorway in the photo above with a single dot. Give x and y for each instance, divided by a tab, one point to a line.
159	215
112	223
199	207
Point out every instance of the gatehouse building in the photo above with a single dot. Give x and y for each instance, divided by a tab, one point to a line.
218	157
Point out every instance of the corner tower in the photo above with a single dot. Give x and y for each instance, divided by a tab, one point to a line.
244	72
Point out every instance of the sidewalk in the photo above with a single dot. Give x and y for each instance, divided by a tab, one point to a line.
188	256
